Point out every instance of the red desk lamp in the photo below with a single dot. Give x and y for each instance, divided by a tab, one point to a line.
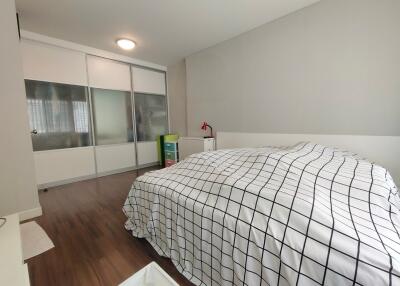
204	127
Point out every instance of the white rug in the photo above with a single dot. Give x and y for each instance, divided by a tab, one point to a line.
34	240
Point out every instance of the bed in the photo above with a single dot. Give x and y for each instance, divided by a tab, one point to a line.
301	215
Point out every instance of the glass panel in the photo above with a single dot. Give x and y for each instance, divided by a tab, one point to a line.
59	113
112	115
151	116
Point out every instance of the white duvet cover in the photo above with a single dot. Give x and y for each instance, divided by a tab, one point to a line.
305	215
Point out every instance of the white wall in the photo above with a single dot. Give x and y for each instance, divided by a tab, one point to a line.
331	68
176	82
18	191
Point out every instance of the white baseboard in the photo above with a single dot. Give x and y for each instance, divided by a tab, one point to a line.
31	213
64	182
98	175
123	170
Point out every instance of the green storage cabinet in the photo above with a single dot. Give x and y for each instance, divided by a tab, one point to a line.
168	149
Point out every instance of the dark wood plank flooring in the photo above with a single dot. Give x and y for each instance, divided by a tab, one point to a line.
92	247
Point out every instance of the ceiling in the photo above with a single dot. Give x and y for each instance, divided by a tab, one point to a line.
165	31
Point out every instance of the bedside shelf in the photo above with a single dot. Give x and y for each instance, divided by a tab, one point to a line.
192	145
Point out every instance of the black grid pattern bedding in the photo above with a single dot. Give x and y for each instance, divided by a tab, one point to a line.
305	215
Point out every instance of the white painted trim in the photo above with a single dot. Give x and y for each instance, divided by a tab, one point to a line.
62	150
384	150
65	182
115	145
31	213
114	172
123	170
101	174
89	50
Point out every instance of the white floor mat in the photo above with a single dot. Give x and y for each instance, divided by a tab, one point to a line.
34	240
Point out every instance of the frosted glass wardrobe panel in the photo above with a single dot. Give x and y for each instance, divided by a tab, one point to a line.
151	116
112	116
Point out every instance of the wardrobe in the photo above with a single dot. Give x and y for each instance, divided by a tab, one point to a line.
91	115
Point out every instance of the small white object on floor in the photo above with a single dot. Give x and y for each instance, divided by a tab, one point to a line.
150	275
34	240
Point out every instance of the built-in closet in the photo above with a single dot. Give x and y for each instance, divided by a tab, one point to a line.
90	116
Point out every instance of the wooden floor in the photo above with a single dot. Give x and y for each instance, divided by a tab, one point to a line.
86	224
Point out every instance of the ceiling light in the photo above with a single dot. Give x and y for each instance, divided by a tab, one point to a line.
126	44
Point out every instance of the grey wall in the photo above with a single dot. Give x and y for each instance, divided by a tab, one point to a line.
17	175
176	81
331	68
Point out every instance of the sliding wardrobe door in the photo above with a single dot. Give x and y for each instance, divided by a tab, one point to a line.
112	111
58	112
150	112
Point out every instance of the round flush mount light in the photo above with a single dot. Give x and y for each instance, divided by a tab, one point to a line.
126	44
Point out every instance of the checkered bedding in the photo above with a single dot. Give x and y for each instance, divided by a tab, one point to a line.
304	215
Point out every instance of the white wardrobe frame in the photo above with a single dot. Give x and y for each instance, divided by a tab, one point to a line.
132	63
